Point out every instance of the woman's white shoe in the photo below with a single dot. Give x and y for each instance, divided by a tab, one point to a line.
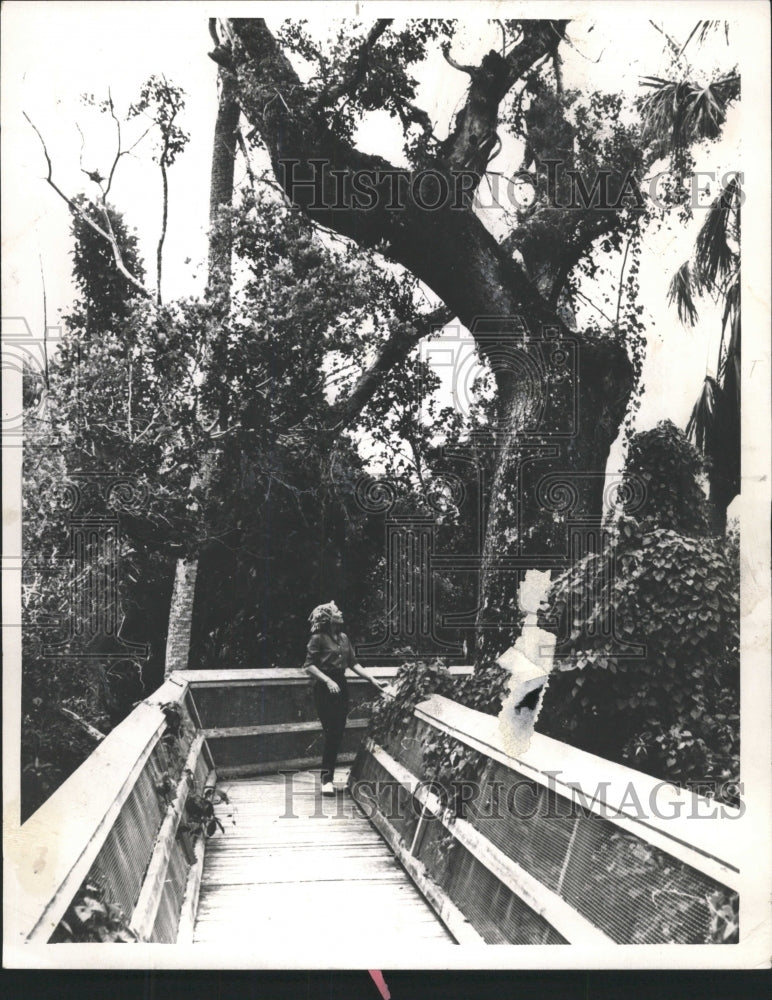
328	788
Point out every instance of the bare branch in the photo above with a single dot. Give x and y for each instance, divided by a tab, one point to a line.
92	731
45	321
119	150
77	210
159	254
136	142
147	427
82	146
503	36
469	70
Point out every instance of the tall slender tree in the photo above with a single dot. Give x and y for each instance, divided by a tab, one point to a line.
219	294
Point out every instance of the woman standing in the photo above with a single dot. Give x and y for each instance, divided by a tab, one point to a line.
328	655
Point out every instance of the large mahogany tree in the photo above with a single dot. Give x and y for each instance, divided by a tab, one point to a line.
508	291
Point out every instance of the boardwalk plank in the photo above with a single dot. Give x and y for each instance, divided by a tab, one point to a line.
321	871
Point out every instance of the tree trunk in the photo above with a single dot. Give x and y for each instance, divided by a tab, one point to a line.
218	292
717	506
558	421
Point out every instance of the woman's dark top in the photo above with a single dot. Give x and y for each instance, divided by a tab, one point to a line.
331	656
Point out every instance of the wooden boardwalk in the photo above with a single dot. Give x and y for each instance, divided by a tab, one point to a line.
294	864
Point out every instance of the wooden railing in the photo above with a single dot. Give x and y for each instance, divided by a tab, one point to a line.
119	820
258	721
558	846
596	871
109	823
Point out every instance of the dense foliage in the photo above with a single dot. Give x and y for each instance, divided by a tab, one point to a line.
279	526
651	632
649	637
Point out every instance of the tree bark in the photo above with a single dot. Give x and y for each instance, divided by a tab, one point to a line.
558	423
219	293
221	189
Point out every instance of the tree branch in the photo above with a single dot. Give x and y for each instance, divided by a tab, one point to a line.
449	249
469	70
119	151
350	82
393	352
464	149
92	731
77	210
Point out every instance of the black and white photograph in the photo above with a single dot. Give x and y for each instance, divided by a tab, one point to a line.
386	494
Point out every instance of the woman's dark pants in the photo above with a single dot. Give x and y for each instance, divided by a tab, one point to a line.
332	709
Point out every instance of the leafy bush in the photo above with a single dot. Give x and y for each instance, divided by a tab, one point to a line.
669	468
672	707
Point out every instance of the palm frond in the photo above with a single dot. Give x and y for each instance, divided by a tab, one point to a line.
731	411
714	257
701	427
679	112
681	291
702	29
729	347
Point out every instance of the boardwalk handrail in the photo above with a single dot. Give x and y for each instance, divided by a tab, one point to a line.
53	851
110	817
555	846
252	733
628	798
51	855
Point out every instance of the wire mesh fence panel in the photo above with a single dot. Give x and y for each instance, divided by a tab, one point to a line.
632	891
376	790
516	815
121	864
637	893
168	916
408	746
